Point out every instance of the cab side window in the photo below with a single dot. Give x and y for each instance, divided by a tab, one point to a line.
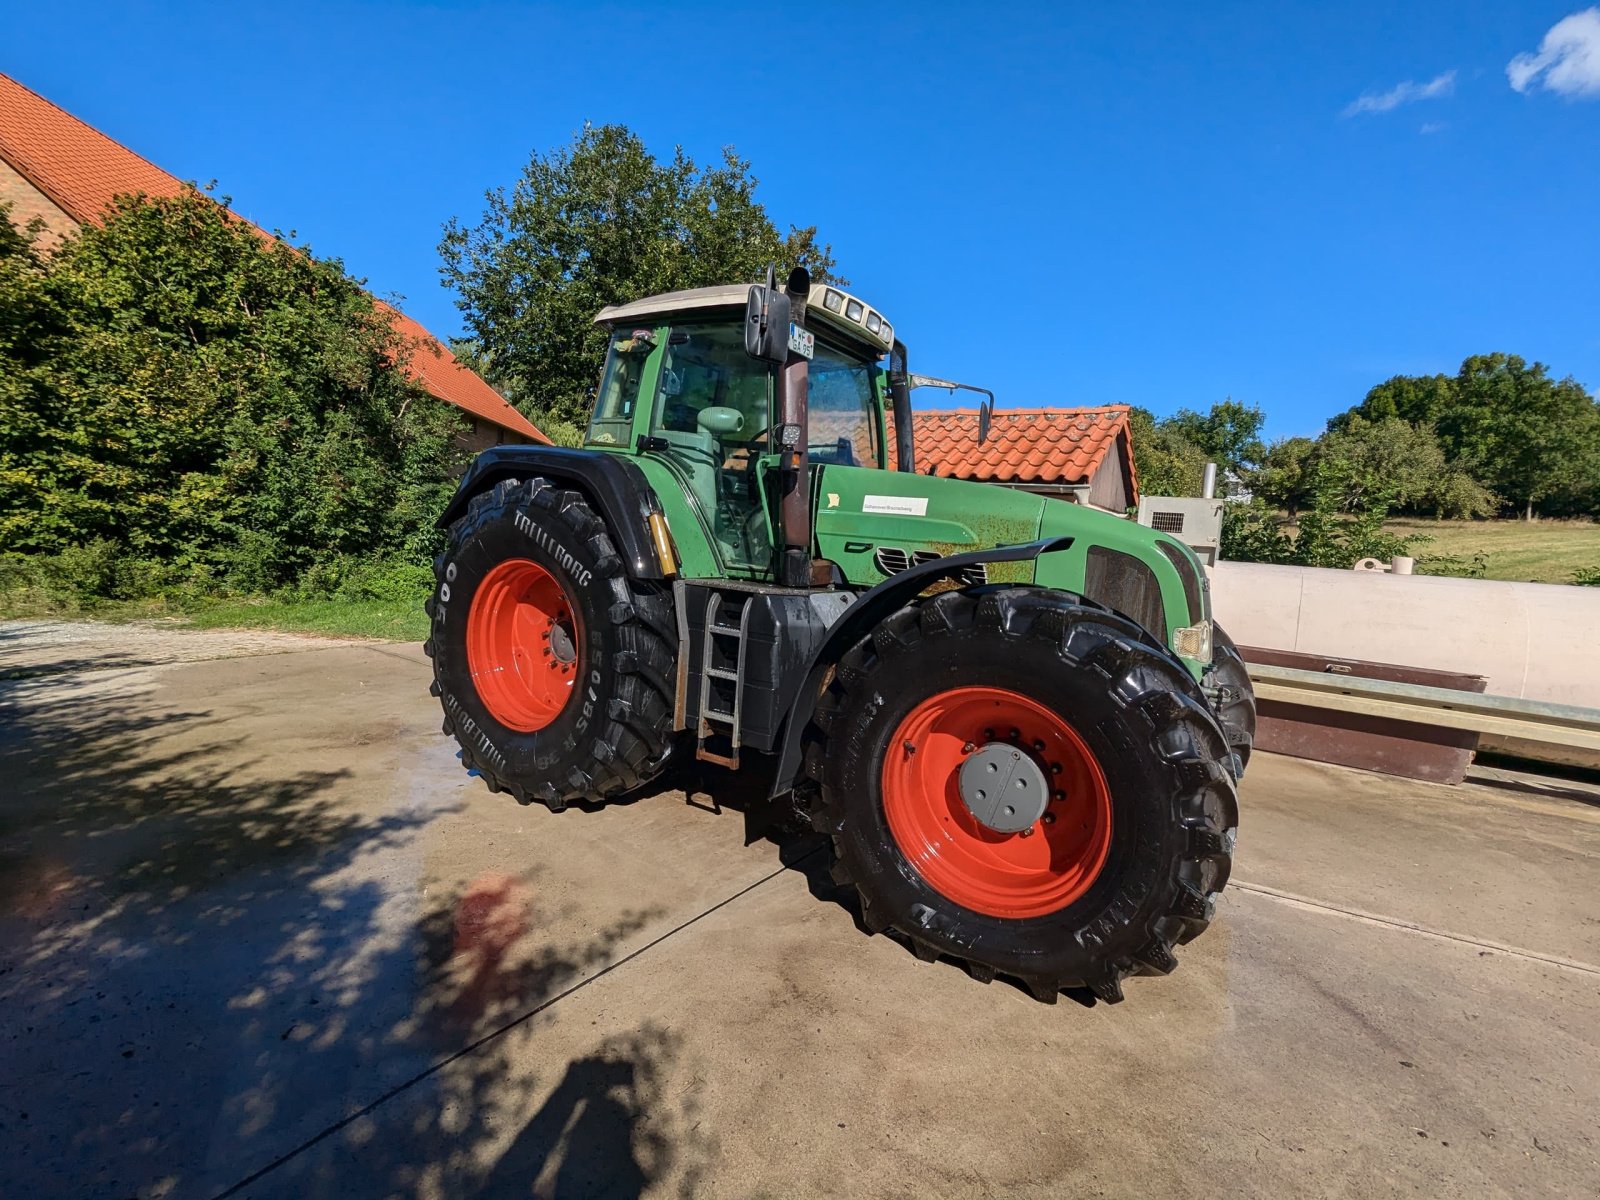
712	411
619	386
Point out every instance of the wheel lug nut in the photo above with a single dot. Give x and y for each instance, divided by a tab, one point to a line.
1058	797
1055	768
1027	832
1049	818
1016	735
1038	746
968	748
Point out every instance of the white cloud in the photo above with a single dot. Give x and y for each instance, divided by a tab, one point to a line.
1433	127
1402	93
1568	61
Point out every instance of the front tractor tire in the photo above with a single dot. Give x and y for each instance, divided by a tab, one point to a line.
1236	706
929	752
553	667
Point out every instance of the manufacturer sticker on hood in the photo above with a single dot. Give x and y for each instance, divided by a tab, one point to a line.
904	506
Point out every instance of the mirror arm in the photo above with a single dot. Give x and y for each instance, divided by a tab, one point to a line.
985	409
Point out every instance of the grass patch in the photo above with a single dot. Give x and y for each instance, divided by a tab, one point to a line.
342	598
1531	552
385	619
388	620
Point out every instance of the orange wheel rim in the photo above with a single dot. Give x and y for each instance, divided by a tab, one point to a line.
522	644
1036	871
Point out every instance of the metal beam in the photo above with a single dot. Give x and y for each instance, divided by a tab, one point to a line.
1501	716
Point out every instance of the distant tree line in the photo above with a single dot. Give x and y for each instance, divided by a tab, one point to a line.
1500	437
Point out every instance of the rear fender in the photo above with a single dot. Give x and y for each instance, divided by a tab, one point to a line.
611	483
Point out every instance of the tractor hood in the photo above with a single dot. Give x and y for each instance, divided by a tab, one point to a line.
875	524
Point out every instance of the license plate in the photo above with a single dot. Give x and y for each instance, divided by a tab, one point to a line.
802	341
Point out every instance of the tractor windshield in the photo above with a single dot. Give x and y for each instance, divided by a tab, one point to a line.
842	405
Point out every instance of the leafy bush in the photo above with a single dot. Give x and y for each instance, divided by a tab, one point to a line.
1588	576
81	578
1252	532
392	580
1326	535
1460	566
187	403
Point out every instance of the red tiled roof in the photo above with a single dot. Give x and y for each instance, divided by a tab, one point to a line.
82	171
1025	445
435	368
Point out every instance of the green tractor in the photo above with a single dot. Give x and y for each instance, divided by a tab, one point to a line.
1012	716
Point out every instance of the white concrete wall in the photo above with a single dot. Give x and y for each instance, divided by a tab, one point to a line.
1539	641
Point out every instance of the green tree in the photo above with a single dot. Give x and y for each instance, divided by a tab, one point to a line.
1505	427
193	393
1229	434
1166	463
1284	476
1528	436
598	222
1403	463
1419	399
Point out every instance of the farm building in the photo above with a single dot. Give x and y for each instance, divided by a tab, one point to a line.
63	173
1080	454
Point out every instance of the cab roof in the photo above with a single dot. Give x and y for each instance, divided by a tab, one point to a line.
833	307
724	295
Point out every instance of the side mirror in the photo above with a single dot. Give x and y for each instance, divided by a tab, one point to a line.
720	421
766	324
985	416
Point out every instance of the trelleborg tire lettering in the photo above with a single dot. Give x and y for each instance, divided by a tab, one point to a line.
614	733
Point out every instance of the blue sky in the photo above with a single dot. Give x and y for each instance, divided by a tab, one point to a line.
1073	205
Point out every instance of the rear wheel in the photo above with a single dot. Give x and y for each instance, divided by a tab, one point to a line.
553	667
1024	782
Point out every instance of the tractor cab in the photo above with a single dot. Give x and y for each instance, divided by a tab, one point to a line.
680	386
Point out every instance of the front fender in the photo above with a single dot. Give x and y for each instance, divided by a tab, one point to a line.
864	615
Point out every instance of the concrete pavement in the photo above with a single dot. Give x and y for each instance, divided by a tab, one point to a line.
261	936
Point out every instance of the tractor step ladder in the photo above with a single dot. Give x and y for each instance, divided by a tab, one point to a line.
710	717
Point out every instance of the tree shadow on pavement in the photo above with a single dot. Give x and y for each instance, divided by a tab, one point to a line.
222	971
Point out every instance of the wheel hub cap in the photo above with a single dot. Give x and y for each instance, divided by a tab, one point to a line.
996	801
1003	788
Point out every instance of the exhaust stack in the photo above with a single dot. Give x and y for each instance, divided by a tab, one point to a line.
794	506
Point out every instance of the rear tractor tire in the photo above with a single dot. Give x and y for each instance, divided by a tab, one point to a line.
554	668
1027	783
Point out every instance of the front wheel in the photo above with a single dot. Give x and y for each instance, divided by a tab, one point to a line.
1024	782
1236	697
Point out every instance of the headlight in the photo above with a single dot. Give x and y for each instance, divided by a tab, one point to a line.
853	310
1194	642
832	301
874	322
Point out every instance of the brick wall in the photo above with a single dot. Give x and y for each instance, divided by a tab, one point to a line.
28	202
